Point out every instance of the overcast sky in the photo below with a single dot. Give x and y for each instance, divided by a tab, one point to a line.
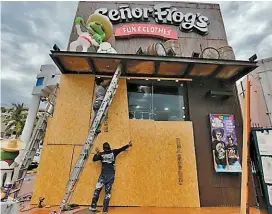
30	29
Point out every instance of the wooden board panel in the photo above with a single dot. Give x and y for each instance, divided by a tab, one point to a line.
202	70
115	131
228	72
175	145
52	174
71	120
172	68
146	174
134	66
106	65
72	63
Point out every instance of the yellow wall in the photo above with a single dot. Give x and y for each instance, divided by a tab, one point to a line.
146	174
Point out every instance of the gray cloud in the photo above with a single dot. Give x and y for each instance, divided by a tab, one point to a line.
28	32
30	29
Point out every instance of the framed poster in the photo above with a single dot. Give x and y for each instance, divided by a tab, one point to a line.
224	143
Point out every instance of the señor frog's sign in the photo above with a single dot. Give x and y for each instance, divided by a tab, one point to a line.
162	13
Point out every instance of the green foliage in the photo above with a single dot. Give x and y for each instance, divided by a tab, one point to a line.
15	119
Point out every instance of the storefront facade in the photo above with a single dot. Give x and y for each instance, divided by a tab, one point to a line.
162	104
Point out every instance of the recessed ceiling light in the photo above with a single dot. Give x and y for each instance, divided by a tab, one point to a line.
128	78
176	80
137	106
98	77
159	79
146	79
166	109
183	108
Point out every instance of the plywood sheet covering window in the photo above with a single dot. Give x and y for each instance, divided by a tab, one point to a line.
106	65
72	63
144	67
71	120
52	174
172	68
115	130
176	189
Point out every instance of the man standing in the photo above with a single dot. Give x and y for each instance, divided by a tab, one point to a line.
100	92
106	178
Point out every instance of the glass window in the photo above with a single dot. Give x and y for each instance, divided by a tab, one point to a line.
39	81
156	100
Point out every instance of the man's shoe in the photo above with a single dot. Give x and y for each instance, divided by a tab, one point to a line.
92	209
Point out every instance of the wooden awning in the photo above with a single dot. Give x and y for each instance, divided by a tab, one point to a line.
151	66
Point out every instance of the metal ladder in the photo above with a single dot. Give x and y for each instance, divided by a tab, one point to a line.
86	148
33	145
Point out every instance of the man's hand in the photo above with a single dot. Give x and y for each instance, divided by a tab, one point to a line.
130	144
97	150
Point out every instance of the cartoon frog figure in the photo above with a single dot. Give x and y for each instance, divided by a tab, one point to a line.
99	29
9	151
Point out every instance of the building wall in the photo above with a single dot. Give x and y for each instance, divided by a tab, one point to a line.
215	189
260	94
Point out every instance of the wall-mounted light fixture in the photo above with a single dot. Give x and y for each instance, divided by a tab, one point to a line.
56	48
219	94
253	58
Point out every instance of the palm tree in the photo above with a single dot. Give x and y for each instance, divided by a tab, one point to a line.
15	120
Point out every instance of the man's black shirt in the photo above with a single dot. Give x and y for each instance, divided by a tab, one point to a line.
108	159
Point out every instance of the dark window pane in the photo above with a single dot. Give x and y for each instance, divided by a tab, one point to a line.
160	101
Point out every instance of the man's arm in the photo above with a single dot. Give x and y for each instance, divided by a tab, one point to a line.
123	148
106	83
97	156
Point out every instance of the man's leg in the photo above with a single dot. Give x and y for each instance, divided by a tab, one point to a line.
98	188
108	187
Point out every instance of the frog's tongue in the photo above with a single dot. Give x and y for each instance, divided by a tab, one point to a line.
9	161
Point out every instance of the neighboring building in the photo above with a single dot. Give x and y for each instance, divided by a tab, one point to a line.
260	94
163	104
4	134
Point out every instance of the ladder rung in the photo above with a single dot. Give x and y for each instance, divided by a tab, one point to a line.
13	191
22	169
20	179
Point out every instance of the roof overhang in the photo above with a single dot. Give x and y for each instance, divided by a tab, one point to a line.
151	66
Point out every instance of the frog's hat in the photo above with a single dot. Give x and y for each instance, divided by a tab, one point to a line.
104	20
11	145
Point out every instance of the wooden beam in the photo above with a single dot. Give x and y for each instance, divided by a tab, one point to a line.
188	69
217	70
154	58
157	67
92	65
244	207
149	78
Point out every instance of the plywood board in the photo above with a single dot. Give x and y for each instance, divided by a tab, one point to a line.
147	174
172	68
228	72
52	174
115	130
71	120
178	186
72	63
202	70
134	66
106	65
